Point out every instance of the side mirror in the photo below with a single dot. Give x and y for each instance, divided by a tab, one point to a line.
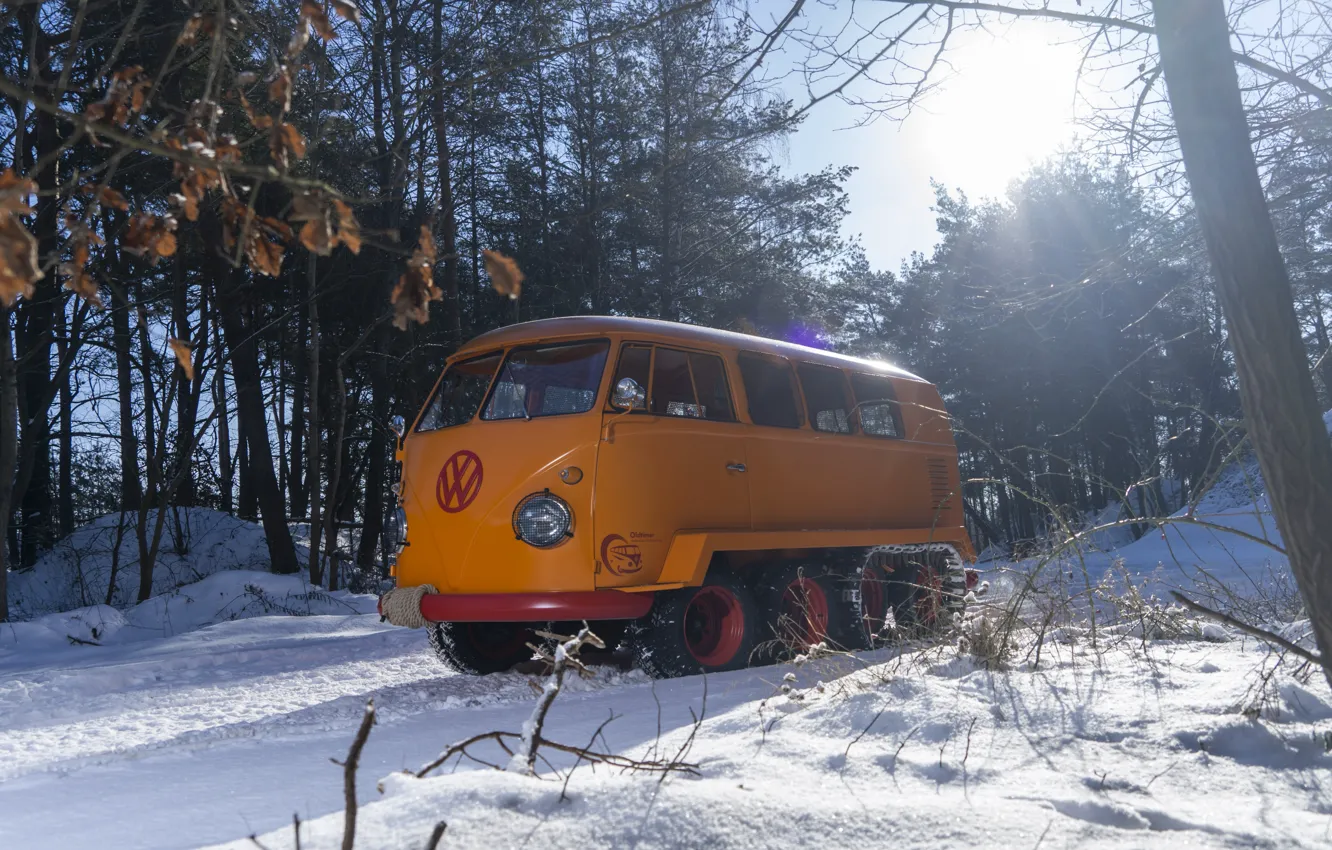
628	395
398	426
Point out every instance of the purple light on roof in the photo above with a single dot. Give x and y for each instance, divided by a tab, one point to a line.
803	335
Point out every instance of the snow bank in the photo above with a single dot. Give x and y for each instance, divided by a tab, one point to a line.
221	597
196	543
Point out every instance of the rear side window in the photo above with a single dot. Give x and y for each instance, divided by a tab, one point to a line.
548	380
880	414
827	398
714	394
771	391
460	393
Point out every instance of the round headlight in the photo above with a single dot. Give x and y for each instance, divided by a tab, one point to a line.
542	519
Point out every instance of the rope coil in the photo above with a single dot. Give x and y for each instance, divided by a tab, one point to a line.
401	606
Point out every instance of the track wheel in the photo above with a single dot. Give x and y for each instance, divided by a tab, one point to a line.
875	596
921	610
805	604
481	648
692	630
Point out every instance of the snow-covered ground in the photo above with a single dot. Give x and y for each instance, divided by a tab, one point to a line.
210	713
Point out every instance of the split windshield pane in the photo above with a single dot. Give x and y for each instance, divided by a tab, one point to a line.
548	380
460	393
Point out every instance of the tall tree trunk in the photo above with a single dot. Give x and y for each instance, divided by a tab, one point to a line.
1276	388
312	444
296	494
34	335
372	520
8	450
247	504
131	488
187	399
65	488
448	222
226	470
250	410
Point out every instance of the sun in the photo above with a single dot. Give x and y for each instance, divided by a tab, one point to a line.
1008	103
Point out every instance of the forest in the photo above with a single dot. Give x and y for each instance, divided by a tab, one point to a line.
237	239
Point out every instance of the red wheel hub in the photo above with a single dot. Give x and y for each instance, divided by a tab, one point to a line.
714	626
929	596
873	599
805	612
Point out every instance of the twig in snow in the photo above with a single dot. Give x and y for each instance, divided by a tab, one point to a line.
349	775
81	641
966	753
863	733
565	657
435	835
892	768
1254	631
296	828
565	787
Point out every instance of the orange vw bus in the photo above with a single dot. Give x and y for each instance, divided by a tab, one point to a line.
726	497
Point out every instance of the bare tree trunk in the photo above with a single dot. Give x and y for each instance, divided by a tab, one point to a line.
1276	387
226	470
447	219
312	444
8	450
131	488
250	409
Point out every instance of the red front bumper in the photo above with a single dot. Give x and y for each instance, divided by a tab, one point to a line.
534	607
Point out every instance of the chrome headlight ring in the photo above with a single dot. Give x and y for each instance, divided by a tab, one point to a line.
542	520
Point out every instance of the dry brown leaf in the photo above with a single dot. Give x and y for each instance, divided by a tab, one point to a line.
286	142
318	18
77	278
347	10
349	229
150	236
19	268
124	97
299	38
108	197
198	25
504	273
184	356
279	92
416	287
317	236
14	192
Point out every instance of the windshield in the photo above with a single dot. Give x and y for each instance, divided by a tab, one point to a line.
460	393
548	380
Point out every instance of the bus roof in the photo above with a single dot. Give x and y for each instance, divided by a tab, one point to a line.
655	330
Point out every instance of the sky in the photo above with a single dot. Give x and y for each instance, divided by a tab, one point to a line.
1006	103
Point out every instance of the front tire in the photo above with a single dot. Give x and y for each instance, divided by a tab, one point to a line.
706	629
481	648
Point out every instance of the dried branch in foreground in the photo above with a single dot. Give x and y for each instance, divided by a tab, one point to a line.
1253	631
349	774
524	748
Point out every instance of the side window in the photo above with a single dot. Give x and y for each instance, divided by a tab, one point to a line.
635	361
460	393
714	395
827	401
672	388
877	405
771	391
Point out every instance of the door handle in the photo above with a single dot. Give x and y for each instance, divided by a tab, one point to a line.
736	467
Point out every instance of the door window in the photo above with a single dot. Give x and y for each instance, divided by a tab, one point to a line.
771	390
688	384
876	405
827	398
460	393
548	380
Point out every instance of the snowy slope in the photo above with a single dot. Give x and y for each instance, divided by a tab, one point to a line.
213	735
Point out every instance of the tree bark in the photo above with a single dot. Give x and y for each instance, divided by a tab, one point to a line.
1276	388
8	450
250	410
131	488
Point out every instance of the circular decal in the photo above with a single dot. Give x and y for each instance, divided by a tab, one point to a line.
459	481
620	556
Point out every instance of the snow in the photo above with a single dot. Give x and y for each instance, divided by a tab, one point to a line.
208	714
